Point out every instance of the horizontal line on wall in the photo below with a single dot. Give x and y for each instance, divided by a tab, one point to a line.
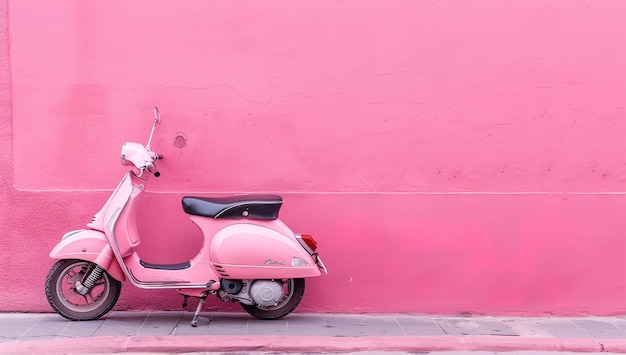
353	192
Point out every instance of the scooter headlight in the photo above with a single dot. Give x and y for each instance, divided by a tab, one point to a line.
124	161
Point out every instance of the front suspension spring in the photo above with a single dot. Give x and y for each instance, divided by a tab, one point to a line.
93	276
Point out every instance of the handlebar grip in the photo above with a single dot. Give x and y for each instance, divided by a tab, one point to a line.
152	169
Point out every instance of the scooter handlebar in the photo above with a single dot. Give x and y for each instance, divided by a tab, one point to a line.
155	156
152	169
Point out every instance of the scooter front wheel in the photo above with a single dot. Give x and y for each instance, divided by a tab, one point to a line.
89	304
293	290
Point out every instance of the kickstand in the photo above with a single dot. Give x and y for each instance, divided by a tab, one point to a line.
194	320
185	302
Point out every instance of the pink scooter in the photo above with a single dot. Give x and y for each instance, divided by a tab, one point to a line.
248	255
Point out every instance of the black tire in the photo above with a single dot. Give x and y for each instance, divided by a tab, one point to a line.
64	299
294	290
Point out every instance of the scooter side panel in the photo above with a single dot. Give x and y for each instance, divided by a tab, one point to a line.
251	251
89	245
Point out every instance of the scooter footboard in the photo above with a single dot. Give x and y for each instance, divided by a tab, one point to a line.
89	245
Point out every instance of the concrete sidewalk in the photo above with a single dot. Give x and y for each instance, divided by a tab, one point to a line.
170	332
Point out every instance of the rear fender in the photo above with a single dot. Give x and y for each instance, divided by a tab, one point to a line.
251	251
89	245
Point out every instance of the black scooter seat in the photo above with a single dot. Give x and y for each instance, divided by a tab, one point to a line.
253	206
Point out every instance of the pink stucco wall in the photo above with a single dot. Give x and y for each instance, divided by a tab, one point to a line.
448	156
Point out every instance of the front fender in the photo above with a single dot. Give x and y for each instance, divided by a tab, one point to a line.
90	245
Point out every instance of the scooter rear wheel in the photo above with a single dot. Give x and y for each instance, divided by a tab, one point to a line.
293	290
65	299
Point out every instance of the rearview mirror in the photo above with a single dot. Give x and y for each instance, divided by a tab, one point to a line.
157	120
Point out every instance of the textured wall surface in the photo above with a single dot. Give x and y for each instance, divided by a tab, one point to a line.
448	156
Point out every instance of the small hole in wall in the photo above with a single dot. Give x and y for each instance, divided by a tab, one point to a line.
180	141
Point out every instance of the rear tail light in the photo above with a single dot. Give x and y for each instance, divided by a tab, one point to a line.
310	242
307	242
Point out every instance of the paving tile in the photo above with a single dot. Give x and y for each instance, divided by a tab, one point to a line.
556	324
187	329
563	328
16	325
306	325
122	324
45	316
570	333
346	331
343	320
343	326
267	327
384	330
306	320
231	321
216	329
82	329
607	333
160	323
381	325
307	331
48	327
619	323
419	326
227	324
469	326
528	328
322	331
600	328
184	326
113	328
130	317
593	324
378	320
232	317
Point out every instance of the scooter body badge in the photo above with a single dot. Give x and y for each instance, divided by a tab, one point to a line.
269	261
